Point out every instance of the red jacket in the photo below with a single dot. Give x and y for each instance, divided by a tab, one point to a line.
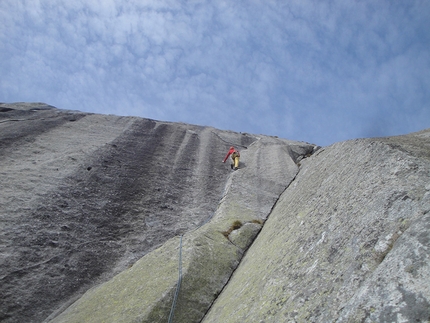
231	151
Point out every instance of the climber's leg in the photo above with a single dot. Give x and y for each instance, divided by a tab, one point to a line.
236	163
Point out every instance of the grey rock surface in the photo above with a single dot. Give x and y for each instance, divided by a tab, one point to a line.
348	241
115	219
84	196
209	254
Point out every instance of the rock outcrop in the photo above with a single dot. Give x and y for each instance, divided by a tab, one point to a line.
209	254
83	196
126	219
348	241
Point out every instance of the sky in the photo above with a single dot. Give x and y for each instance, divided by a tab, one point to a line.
316	71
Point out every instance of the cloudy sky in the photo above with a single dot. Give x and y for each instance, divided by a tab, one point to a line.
318	71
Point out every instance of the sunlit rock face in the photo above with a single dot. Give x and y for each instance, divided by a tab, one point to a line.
83	196
348	241
126	219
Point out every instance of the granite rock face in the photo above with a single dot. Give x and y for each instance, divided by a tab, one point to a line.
84	196
348	241
125	219
209	254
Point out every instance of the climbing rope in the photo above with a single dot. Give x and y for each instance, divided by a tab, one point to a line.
178	285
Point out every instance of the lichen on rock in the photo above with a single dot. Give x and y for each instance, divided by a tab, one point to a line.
118	219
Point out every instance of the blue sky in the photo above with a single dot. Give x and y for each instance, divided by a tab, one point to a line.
317	71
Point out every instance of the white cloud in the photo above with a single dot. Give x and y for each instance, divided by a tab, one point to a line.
276	65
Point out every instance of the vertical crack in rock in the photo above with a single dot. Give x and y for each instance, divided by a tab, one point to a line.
83	200
245	234
84	196
209	255
314	260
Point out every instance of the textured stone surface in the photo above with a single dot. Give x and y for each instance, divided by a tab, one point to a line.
93	207
83	196
348	241
210	254
245	235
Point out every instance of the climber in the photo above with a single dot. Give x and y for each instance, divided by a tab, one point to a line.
235	155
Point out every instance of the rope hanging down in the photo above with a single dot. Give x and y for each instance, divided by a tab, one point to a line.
178	286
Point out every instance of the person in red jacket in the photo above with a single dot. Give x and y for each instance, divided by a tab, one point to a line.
235	156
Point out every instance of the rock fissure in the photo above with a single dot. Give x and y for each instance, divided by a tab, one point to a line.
92	211
249	242
335	286
209	259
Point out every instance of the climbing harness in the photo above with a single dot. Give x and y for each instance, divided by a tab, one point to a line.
178	285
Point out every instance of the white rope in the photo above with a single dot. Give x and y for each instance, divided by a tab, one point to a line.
178	285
